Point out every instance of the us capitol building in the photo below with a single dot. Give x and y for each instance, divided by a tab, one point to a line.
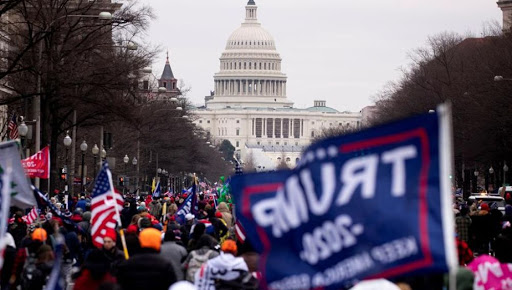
249	106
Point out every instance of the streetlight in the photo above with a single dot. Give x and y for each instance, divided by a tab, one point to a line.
491	170
134	162
83	147
125	160
103	154
95	150
67	142
505	169
23	130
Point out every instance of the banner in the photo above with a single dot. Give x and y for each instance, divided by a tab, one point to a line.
371	204
189	206
38	165
21	194
490	273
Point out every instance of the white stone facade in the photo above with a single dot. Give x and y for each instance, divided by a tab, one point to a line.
250	107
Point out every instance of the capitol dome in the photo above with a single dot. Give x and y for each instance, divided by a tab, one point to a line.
251	35
250	68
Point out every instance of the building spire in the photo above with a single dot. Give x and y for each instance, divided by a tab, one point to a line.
251	12
167	58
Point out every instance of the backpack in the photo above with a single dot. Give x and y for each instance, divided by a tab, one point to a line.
31	275
195	264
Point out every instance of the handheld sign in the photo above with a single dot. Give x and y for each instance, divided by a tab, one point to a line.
371	204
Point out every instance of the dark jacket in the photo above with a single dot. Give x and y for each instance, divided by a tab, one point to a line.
147	270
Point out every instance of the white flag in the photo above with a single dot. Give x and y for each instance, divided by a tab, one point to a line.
21	194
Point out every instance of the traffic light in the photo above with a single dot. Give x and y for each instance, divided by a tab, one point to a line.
121	181
63	174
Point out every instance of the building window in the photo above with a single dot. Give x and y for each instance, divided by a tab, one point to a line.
312	134
277	143
238	121
259	143
285	143
238	132
312	122
288	159
145	85
200	121
208	121
296	143
237	144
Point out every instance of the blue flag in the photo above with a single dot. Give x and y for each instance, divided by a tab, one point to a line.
188	206
56	279
157	191
371	204
43	202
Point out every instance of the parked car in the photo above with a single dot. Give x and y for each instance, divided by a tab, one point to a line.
489	199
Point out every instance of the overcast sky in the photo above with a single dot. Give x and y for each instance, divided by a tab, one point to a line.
341	51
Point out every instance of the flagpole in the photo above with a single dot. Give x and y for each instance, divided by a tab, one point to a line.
121	231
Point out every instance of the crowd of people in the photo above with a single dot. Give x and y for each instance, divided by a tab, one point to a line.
200	253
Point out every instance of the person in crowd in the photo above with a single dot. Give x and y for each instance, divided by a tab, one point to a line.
482	230
77	215
27	257
18	228
155	208
174	253
34	277
133	227
219	225
226	214
463	223
147	269
9	257
225	271
95	272
198	230
464	252
205	250
187	227
503	243
82	203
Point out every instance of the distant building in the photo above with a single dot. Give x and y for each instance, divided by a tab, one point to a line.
250	108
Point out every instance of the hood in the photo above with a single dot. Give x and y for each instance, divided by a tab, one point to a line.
223	207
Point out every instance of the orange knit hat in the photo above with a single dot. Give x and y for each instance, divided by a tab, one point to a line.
150	238
229	246
39	234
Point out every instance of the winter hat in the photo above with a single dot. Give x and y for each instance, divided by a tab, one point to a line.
111	234
144	223
189	216
150	238
218	215
86	216
182	285
39	234
484	206
229	246
465	279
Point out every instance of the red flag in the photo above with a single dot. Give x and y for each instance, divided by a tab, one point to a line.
38	165
105	206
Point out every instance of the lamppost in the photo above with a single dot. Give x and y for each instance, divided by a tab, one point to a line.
83	147
23	130
493	180
103	154
505	169
67	142
475	185
125	160
136	179
95	150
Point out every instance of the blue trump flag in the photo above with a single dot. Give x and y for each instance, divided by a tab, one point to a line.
188	206
158	190
371	204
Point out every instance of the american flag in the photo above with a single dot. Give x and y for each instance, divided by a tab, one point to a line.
13	128
105	206
31	216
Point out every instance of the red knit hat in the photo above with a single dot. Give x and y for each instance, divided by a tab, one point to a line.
484	206
111	234
218	215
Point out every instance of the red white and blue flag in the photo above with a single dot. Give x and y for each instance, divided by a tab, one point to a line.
105	206
31	216
13	127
